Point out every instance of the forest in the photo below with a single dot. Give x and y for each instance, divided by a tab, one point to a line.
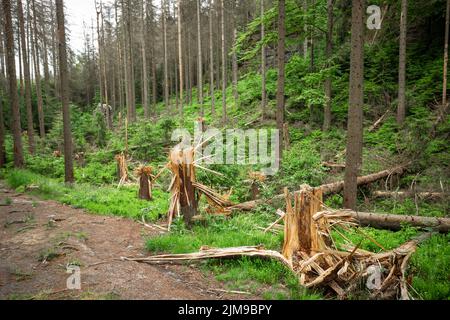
223	149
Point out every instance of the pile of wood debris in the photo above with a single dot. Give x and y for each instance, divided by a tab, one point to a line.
310	251
314	256
186	191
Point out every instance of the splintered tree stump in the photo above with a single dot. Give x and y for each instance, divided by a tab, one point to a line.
254	190
300	229
184	198
122	168
188	199
256	179
145	182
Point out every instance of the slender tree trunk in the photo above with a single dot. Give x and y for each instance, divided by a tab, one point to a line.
166	75
119	55
328	84
263	65
2	130
199	62
37	70
68	164
26	71
13	97
45	56
224	65
444	87
401	110
151	26
180	57
130	68
100	57
211	60
20	60
355	112
2	94
234	59
54	50
105	76
281	74
305	30
190	68
144	66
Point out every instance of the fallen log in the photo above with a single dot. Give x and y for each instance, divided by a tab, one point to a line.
327	189
379	121
339	186
394	222
407	194
333	165
208	253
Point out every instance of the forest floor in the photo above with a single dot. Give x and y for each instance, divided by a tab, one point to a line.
39	239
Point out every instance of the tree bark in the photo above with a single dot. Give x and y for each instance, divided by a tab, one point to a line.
444	87
281	75
224	65
395	222
37	70
211	60
200	60
180	58
401	109
166	72
144	63
263	65
234	61
2	130
68	163
131	85
355	112
26	72
328	84
14	99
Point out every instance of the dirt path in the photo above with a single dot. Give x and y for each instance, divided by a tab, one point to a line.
38	239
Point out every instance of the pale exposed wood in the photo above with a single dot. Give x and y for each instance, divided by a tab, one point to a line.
379	121
208	253
407	194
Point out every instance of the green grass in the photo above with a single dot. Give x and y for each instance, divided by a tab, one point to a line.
105	200
430	268
266	278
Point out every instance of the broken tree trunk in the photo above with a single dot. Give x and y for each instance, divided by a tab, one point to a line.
184	199
394	222
328	188
144	173
300	233
339	186
211	253
407	194
122	168
379	121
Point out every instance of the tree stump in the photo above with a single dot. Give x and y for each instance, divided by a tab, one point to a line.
300	230
122	168
144	174
184	197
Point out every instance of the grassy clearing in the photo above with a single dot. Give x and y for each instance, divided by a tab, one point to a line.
105	200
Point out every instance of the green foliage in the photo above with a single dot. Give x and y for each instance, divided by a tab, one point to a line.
430	267
107	200
302	165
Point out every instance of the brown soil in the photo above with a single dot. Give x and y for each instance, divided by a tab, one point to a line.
31	229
